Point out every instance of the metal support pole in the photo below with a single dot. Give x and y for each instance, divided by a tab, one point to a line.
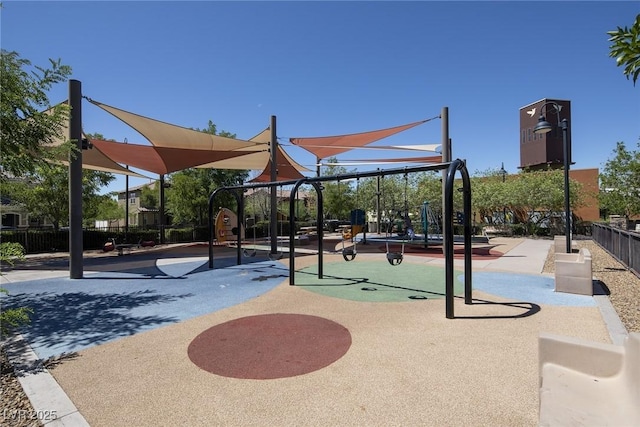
274	196
446	157
126	203
567	205
75	181
162	215
378	216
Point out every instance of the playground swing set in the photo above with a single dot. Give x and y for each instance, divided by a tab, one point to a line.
448	213
356	222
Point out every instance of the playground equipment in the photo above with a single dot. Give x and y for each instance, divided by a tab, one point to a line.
250	253
448	213
357	225
395	258
227	225
274	256
429	223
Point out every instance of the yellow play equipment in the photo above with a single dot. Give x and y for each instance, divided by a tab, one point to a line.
226	226
349	233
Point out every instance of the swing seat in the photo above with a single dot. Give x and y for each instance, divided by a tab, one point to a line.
394	258
276	256
348	254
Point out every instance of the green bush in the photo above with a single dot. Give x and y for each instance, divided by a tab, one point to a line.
13	317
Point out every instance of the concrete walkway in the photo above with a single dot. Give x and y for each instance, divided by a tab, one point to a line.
405	363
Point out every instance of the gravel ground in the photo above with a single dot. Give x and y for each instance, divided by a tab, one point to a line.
623	285
16	408
625	297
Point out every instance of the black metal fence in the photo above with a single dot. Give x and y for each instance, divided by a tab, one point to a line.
36	241
622	244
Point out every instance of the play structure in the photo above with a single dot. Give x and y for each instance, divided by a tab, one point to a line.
226	226
356	226
448	236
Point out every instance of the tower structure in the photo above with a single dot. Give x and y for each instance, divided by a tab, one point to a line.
539	151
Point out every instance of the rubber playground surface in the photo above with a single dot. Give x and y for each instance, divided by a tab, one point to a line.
156	338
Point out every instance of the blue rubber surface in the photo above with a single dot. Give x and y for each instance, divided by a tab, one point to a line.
71	315
529	288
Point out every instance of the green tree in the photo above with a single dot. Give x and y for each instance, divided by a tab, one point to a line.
188	197
337	197
150	197
537	197
106	208
625	48
45	193
29	122
620	182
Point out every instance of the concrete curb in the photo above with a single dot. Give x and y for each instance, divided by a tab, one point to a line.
50	403
617	331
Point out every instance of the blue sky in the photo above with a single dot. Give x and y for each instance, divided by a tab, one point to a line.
329	68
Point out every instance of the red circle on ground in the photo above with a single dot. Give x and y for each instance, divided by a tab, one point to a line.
270	346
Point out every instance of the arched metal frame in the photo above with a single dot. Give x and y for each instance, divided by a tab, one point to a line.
240	200
448	234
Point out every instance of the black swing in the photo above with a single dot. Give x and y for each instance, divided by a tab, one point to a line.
396	258
250	253
279	253
349	254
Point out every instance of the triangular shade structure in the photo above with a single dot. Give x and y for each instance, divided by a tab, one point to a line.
362	162
93	159
162	134
288	169
328	146
160	160
225	153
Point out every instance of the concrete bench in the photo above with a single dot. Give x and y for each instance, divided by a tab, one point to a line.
496	230
560	244
573	273
585	383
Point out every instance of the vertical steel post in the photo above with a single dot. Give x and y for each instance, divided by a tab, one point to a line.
378	213
75	181
447	240
162	216
446	157
567	205
126	203
274	177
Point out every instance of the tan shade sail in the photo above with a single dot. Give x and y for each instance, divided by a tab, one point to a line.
328	146
225	153
288	168
93	159
162	134
160	160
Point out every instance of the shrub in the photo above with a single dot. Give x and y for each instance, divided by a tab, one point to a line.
13	317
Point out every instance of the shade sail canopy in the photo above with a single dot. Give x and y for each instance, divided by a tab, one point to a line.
162	134
160	160
287	167
93	159
195	148
328	146
362	162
